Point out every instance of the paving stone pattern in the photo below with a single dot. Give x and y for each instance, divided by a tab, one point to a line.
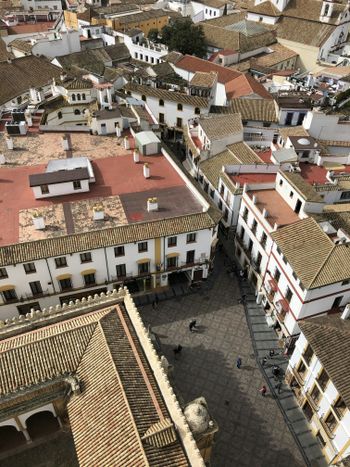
252	430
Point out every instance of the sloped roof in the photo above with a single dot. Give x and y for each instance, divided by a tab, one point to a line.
194	64
329	338
204	79
302	187
219	126
22	45
313	256
265	8
246	85
119	401
303	31
261	110
22	73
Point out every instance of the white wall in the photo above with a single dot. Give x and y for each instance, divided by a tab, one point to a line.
67	43
265	19
60	189
327	127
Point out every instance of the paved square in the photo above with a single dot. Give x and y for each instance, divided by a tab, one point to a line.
252	431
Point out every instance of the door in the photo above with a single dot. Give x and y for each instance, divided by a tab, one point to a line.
297	206
289	118
337	302
198	275
103	129
300	118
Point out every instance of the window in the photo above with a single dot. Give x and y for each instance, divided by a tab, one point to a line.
143	246
143	97
83	97
291	194
220	205
59	115
36	288
289	294
171	262
301	368
322	380
136	55
339	407
179	122
61	262
225	217
161	118
85	257
29	268
76	185
254	226
190	257
263	239
331	422
65	284
44	189
73	97
121	270
308	354
172	241
191	238
245	214
197	111
346	282
280	182
76	112
119	251
89	279
3	273
78	97
307	409
179	107
277	275
9	295
320	439
212	192
161	102
315	394
345	195
144	268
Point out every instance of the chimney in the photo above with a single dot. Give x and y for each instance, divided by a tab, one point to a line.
65	143
38	221
346	312
9	142
146	171
254	199
118	132
152	204
126	143
136	156
265	213
99	213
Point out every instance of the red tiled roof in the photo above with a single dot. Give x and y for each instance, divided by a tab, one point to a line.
246	85
41	26
253	177
194	64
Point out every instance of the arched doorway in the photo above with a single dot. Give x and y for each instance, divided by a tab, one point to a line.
42	424
10	438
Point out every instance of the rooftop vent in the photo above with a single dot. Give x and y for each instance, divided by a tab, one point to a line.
146	171
99	212
38	221
152	204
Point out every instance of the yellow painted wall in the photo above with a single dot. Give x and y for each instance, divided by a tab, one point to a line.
71	20
307	55
145	26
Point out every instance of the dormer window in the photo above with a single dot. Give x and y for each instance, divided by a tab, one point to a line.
179	107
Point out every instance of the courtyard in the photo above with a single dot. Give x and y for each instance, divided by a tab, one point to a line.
252	431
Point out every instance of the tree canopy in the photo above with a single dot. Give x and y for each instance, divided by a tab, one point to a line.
184	36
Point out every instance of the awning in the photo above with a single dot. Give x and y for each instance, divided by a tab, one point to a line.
88	271
173	255
142	261
3	288
63	276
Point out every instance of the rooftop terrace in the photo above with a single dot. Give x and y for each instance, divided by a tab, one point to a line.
120	187
315	174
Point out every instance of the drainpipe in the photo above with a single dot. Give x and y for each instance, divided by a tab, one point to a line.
106	259
52	282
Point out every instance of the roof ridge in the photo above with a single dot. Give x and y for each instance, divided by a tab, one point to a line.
322	265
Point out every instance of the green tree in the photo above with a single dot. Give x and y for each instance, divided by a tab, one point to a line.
153	35
185	37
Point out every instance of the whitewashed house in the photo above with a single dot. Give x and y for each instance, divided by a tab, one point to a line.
318	373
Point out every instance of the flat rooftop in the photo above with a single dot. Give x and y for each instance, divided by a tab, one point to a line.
278	210
40	26
253	178
312	173
120	187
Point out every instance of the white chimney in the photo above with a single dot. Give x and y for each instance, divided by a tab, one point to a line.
118	131
346	312
146	171
152	204
136	156
38	221
99	213
126	143
65	143
9	142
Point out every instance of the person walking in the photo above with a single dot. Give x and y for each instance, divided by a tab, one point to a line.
271	353
177	351
192	325
264	361
278	386
156	300
239	362
263	390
